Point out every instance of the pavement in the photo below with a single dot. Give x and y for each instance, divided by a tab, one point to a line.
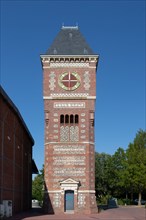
120	213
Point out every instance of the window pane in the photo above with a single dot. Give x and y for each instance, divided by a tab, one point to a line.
66	118
76	119
61	119
71	119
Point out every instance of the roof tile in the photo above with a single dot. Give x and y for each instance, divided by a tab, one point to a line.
69	41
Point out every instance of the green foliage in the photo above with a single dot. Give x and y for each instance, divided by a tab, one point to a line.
101	163
103	199
37	186
124	172
124	202
136	157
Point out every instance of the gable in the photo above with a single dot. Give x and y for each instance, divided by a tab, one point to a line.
69	181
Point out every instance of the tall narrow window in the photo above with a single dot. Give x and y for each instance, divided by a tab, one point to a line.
69	130
71	119
61	119
92	122
76	119
66	119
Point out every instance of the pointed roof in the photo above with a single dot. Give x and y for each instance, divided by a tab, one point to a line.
69	41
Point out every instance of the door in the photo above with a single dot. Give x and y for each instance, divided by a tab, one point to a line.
69	200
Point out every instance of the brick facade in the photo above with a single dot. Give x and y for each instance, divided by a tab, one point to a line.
69	89
71	158
15	156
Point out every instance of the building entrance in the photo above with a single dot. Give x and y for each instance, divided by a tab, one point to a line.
69	200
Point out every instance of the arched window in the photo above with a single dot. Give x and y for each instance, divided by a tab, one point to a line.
61	119
71	119
76	119
66	119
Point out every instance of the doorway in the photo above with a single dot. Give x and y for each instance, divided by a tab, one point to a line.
69	200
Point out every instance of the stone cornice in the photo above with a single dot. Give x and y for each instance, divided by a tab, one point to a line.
69	58
70	143
68	97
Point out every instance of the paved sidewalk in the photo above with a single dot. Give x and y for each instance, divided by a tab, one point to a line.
121	213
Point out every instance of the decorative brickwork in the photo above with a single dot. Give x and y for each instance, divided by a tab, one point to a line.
69	97
86	80
52	81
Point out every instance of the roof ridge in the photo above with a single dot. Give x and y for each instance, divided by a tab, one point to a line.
70	27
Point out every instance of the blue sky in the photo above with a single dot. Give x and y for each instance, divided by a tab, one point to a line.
114	29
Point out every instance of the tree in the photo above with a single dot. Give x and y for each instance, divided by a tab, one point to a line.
124	172
37	186
114	165
110	174
121	173
136	158
101	177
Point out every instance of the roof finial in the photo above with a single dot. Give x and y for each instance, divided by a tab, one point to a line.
62	24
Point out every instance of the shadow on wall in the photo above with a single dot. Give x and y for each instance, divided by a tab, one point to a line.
47	204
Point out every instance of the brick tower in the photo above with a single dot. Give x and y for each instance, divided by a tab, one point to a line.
69	88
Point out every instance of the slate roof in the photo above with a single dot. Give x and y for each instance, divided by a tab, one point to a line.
69	41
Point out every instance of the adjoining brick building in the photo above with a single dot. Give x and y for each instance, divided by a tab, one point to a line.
69	72
16	163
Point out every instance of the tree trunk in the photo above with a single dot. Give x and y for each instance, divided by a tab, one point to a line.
131	196
126	198
126	195
139	198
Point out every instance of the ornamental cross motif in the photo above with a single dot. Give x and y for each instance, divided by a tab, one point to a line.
69	80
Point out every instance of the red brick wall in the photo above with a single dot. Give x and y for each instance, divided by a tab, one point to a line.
15	159
52	139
